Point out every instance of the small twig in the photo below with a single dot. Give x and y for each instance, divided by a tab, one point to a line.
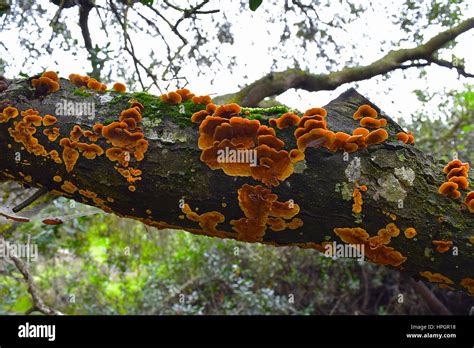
366	288
35	196
459	68
55	19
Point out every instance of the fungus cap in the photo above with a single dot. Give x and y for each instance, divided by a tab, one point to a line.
227	111
442	246
286	120
364	111
119	87
8	113
403	137
462	182
49	120
370	122
449	189
316	111
51	75
45	85
410	232
376	137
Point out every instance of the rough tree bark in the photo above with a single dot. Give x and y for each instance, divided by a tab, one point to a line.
401	180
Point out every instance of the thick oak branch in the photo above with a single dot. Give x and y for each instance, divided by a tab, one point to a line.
402	182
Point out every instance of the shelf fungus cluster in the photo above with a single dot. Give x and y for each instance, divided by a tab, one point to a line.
87	82
406	138
375	248
235	141
438	278
182	95
261	208
125	136
242	147
313	131
457	174
222	128
24	130
357	195
47	83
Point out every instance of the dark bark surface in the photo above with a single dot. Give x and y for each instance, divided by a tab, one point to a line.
401	180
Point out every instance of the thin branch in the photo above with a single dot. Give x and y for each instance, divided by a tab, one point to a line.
129	47
38	303
431	300
55	19
444	63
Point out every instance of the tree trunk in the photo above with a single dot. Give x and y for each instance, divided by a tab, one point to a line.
402	181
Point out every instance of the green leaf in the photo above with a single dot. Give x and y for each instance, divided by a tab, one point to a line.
147	2
254	4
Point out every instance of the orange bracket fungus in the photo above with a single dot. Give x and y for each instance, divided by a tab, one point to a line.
8	113
78	80
118	135
57	178
204	99
461	181
357	206
376	137
47	83
370	122
96	85
76	133
365	111
234	145
378	252
406	138
469	201
410	232
70	154
227	111
90	151
258	205
436	278
171	98
208	221
457	174
69	187
285	120
49	120
52	133
468	283
119	87
244	168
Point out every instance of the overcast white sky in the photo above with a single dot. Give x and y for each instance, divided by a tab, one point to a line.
251	47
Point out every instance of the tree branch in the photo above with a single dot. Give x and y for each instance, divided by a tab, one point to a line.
402	182
38	303
431	300
34	197
279	82
444	63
